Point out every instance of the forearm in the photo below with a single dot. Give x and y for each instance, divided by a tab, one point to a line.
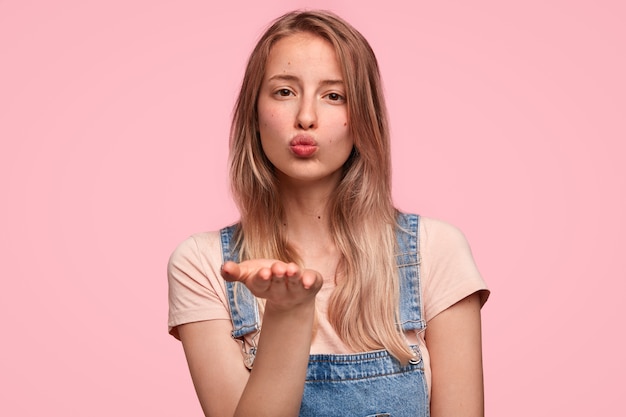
276	381
453	339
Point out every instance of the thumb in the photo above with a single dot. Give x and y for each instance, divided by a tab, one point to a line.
230	271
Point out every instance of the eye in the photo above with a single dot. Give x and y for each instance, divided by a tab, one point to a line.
335	97
283	92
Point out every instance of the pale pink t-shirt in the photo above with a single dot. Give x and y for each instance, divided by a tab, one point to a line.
448	274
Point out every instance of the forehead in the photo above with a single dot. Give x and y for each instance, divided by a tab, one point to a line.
302	51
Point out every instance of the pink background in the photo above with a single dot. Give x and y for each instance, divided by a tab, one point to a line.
508	120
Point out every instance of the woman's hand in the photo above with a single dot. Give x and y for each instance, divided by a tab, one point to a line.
275	384
282	285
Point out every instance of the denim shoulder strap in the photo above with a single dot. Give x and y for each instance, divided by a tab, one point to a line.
408	261
244	309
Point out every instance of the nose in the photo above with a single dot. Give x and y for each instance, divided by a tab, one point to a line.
307	114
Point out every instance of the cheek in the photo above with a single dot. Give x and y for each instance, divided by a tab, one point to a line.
264	112
270	118
265	118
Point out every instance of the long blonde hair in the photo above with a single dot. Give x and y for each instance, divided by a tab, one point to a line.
364	307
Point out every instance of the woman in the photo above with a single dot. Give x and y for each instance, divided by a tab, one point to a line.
364	310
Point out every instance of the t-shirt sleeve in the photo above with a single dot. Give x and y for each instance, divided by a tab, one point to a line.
449	272
195	288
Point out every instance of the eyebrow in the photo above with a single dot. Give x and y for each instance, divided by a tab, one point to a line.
287	77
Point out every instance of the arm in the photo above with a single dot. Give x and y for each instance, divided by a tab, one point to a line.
453	339
215	363
275	384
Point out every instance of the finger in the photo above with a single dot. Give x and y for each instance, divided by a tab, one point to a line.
279	283
292	270
279	269
310	279
292	275
230	271
265	274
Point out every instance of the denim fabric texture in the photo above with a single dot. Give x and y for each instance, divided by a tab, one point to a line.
361	384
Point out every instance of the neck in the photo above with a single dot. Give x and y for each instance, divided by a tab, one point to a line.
306	214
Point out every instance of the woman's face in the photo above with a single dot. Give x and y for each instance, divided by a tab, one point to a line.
303	116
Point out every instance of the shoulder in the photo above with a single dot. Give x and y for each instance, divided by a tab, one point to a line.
195	288
431	230
440	228
441	237
196	254
195	244
449	272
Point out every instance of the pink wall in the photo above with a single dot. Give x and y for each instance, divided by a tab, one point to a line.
508	121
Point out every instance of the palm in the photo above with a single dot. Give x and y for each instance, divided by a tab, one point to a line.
284	285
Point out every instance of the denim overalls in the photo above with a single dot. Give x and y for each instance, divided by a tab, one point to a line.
360	384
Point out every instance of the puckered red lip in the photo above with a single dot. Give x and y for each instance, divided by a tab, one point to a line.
302	140
303	146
